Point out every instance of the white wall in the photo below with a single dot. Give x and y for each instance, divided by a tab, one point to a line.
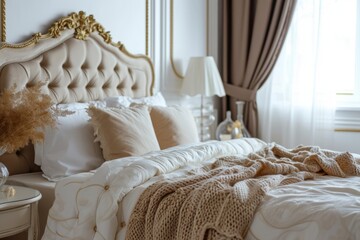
189	40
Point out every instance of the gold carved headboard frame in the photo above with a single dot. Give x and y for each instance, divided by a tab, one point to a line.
83	26
104	68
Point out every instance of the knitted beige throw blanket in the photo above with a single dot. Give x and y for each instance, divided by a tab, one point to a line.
219	202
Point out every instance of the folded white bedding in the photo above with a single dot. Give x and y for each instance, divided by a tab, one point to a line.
86	205
326	208
98	206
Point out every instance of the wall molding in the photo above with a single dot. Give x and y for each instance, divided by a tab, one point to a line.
213	29
163	36
347	120
177	73
147	43
3	20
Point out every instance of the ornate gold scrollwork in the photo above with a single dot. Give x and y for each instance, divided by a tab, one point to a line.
82	24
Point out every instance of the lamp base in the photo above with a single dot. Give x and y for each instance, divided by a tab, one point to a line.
204	118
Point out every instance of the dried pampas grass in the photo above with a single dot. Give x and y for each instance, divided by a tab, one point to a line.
24	115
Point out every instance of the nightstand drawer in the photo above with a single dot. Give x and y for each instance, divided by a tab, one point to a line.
15	220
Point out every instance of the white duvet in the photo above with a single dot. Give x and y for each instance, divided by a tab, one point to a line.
327	208
98	205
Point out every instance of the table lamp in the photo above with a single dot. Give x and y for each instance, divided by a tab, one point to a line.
202	78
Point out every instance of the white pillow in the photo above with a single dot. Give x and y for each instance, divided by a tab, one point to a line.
124	101
70	147
118	102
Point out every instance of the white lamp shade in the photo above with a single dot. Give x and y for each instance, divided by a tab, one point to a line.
202	77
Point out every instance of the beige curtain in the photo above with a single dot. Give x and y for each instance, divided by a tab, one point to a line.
253	34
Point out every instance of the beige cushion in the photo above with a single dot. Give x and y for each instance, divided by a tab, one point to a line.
123	132
173	126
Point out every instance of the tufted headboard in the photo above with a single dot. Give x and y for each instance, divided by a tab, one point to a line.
79	62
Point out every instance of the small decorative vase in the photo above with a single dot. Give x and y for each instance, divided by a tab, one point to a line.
239	129
224	130
4	173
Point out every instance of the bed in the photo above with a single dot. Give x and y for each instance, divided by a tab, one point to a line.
104	190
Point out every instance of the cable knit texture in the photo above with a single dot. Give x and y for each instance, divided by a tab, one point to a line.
219	201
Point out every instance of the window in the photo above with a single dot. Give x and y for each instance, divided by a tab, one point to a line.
343	19
312	94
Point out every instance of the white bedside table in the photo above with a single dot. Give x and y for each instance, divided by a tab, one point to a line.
20	212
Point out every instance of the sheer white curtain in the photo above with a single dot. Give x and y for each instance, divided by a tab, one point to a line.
297	104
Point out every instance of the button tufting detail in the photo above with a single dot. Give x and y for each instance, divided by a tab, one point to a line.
72	85
52	85
65	65
106	187
100	68
122	224
70	63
